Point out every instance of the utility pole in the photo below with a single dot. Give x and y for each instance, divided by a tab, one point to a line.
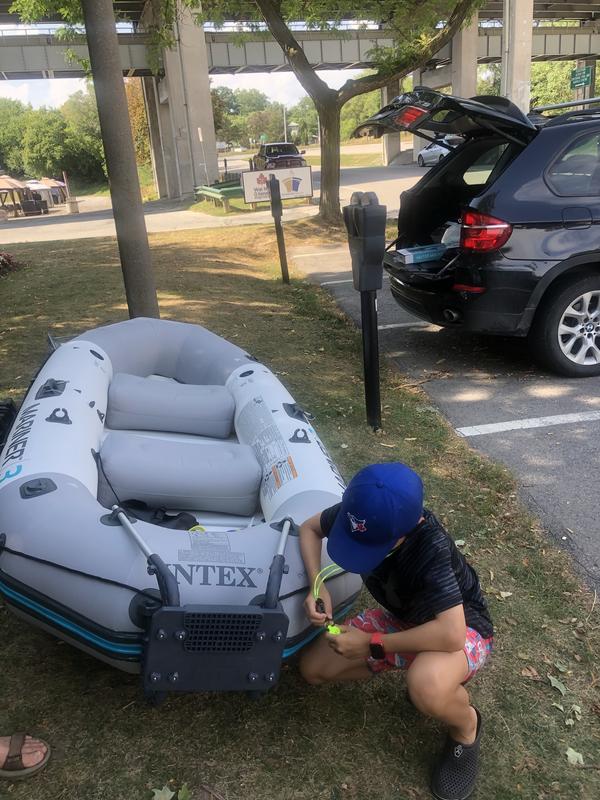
284	124
132	237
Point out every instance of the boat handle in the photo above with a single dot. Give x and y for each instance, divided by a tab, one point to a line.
277	568
167	583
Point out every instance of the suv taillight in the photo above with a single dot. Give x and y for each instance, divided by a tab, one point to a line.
483	233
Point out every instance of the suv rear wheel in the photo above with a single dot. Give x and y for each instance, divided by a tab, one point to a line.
566	331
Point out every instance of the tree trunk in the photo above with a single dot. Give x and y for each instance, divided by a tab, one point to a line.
132	238
329	122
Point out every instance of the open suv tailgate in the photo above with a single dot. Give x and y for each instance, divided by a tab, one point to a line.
426	111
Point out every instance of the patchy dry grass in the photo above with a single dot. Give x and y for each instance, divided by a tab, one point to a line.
301	743
238	206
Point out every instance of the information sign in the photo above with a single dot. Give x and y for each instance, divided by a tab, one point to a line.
293	182
581	77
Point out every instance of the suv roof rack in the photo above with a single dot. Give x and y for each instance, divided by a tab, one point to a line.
584	115
581	114
585	102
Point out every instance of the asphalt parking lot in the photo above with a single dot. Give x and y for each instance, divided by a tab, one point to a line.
543	427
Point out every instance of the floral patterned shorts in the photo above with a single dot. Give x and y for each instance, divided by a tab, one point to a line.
477	649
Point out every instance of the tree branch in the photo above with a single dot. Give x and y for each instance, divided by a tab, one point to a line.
310	81
370	82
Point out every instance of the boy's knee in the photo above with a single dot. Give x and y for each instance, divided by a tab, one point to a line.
426	689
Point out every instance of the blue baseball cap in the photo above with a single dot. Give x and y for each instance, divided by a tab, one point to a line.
382	503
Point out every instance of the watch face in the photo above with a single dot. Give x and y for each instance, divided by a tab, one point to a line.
377	651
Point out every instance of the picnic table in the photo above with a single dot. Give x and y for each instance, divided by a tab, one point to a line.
221	192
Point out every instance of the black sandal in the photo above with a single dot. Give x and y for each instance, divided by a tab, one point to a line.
455	775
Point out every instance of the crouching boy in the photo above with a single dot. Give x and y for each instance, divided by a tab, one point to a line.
432	621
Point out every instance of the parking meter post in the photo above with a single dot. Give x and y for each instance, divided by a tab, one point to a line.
365	221
277	213
370	341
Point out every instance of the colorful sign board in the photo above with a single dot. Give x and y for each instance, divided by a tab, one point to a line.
294	182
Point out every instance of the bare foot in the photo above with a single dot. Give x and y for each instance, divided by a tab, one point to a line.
32	753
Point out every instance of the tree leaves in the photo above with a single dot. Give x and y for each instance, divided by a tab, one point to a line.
573	757
183	793
163	794
531	672
557	684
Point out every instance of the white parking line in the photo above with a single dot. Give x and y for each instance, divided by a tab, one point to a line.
532	422
345	280
320	253
415	324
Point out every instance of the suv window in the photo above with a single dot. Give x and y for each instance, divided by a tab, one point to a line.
576	172
479	171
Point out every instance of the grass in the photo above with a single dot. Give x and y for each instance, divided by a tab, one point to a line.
101	189
238	206
301	743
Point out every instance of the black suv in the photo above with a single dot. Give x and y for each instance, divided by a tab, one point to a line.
518	206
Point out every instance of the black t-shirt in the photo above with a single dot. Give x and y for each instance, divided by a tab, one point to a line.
426	575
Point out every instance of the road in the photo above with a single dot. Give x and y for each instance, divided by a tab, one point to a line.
96	217
487	381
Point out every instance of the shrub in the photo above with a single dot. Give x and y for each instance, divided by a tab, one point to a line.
7	264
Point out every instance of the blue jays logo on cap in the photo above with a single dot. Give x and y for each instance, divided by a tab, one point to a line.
390	499
357	525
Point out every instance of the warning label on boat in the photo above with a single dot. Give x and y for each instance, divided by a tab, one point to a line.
212	547
256	427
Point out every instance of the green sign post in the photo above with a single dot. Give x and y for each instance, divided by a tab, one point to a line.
581	77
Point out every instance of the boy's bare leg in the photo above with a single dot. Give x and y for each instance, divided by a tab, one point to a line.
319	663
434	684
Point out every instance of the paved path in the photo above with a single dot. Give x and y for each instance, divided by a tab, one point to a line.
551	443
96	217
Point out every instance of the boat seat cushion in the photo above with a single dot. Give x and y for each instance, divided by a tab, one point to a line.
178	474
149	404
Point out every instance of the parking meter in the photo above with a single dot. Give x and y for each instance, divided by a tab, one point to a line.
365	222
277	213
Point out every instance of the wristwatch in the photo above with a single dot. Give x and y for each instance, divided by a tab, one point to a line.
376	647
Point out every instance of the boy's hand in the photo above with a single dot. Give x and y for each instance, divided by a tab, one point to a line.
310	607
350	643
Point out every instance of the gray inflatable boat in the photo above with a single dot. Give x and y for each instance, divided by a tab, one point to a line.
151	490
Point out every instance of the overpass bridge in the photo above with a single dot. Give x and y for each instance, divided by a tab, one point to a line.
41	54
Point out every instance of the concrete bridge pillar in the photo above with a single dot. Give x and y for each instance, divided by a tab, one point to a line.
419	79
390	142
464	60
179	110
188	90
156	145
516	52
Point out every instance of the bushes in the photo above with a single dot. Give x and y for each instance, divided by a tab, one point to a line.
7	264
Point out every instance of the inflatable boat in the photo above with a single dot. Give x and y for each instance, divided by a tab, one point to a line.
151	490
